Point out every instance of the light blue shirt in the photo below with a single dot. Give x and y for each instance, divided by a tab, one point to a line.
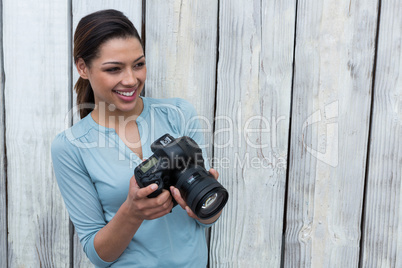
93	168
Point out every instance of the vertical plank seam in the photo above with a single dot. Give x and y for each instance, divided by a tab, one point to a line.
215	110
143	34
70	61
216	80
366	175
70	109
3	83
289	144
143	22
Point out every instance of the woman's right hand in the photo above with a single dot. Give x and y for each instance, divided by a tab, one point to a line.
143	208
115	236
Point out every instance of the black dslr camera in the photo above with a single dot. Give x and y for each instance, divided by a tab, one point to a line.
179	163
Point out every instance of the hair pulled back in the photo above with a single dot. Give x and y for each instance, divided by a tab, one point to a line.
92	31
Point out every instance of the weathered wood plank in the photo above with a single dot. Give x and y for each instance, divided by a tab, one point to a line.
133	10
382	234
36	64
330	119
256	40
3	176
181	55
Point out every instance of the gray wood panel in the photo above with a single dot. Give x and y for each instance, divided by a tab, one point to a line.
382	233
181	55
3	159
36	65
256	40
334	57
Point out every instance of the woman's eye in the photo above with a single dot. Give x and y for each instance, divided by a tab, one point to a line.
113	69
139	65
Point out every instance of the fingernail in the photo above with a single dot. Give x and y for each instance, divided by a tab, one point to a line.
154	186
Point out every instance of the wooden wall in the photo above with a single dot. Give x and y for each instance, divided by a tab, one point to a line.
36	74
3	190
381	243
334	55
301	103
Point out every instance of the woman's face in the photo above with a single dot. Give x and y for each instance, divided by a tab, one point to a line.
117	75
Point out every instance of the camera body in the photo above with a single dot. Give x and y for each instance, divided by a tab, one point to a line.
179	163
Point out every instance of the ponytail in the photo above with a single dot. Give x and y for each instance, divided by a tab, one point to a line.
85	97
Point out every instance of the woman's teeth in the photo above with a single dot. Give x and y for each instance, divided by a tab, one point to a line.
128	94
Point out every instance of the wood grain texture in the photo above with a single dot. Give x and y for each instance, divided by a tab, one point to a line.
36	101
256	40
3	159
181	55
382	234
133	10
334	57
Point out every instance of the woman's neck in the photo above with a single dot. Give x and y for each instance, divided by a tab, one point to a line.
107	116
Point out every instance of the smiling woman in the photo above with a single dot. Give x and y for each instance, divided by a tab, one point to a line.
118	225
117	76
107	48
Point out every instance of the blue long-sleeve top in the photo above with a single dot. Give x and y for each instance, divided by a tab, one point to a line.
93	168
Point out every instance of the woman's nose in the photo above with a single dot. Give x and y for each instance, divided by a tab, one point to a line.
129	79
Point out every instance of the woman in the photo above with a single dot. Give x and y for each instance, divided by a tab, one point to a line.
117	223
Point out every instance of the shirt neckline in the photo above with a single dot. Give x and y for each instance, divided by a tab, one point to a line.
139	119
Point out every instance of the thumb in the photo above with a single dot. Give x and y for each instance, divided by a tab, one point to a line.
214	173
138	192
144	192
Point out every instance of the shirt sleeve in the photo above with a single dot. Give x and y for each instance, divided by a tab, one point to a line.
79	195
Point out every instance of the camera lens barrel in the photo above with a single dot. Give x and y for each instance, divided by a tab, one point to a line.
202	192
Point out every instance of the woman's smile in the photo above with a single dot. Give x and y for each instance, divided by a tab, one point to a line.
125	93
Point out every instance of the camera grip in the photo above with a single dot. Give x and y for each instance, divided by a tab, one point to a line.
144	181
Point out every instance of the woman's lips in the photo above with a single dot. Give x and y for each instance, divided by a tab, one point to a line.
127	94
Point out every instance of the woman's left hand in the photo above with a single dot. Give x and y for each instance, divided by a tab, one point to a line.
177	196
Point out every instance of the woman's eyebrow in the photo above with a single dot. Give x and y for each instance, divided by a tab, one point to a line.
121	63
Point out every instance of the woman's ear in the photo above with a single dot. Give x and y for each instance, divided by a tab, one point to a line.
82	68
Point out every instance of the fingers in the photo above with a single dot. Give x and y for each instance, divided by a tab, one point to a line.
163	197
214	173
177	196
148	208
179	199
158	206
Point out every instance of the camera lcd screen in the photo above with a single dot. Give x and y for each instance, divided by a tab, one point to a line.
149	164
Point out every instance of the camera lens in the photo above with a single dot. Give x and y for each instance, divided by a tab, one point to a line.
203	194
211	203
210	200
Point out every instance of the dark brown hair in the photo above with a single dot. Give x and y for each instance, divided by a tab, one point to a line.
92	31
